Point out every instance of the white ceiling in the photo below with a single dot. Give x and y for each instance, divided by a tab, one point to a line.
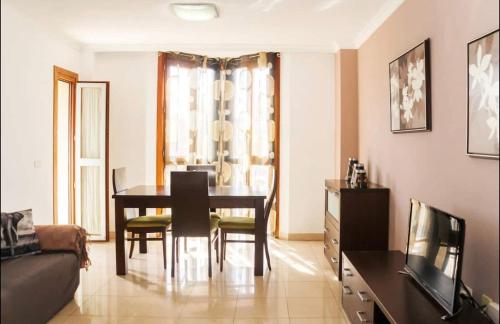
305	25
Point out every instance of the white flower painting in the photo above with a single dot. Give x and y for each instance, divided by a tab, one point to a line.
483	132
409	83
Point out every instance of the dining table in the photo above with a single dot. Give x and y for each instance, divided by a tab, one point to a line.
150	196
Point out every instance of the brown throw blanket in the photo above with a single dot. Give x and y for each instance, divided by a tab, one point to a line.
64	238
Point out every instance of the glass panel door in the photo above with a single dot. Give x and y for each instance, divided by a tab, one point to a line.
90	159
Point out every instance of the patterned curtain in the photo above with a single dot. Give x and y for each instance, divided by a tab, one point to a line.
222	112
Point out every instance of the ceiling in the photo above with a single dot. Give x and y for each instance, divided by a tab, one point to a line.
123	25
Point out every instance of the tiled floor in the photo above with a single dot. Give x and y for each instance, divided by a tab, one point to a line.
301	288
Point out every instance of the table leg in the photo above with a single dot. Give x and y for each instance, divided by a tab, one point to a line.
121	260
260	232
143	243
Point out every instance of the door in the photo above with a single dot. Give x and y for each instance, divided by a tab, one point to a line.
63	134
91	158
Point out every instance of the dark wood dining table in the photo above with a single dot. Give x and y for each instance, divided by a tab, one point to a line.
143	197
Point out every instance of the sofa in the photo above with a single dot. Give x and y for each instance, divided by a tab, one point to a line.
35	287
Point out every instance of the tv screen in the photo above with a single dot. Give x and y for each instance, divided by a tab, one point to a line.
434	253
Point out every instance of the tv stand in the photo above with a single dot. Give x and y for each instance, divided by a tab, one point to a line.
374	291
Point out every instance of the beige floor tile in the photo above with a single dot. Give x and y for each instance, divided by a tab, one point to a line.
204	321
214	289
308	290
85	319
317	321
313	308
262	321
268	289
202	307
131	306
261	308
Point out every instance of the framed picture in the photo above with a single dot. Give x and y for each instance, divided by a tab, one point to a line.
482	97
410	87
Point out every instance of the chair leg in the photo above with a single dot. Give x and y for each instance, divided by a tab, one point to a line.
221	249
164	241
172	271
217	246
177	250
224	246
209	256
266	248
132	243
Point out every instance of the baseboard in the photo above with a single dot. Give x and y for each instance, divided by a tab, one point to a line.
301	236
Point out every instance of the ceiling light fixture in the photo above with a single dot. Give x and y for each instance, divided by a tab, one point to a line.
195	11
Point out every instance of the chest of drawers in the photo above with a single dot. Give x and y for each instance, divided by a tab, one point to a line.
355	219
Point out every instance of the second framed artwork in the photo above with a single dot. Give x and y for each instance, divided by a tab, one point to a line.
410	90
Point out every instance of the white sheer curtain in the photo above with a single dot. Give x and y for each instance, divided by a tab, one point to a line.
190	113
91	128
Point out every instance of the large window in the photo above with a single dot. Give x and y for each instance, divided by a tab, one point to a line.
223	112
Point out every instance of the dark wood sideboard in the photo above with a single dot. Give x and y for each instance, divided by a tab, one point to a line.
355	219
374	292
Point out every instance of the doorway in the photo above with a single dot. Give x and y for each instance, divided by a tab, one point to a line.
80	175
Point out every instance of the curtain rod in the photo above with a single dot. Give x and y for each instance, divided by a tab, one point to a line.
242	57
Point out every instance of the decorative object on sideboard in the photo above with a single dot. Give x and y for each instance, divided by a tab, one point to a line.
361	179
358	168
410	90
350	168
482	96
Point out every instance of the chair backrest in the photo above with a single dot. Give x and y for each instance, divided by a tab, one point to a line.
270	198
190	204
212	176
119	180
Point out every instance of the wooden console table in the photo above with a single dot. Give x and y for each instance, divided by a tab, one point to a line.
374	292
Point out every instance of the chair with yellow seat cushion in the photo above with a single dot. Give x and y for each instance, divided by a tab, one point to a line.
142	225
245	225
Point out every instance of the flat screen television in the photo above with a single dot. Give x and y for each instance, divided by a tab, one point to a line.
434	253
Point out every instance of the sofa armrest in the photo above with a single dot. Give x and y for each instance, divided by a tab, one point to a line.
64	238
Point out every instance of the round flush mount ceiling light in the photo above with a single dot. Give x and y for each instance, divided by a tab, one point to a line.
195	11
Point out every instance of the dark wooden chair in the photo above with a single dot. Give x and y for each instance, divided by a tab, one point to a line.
210	168
142	225
245	225
191	216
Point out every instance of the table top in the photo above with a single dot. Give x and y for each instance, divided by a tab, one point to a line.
219	192
399	296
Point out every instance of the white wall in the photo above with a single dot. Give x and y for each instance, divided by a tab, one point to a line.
132	115
307	139
28	55
307	111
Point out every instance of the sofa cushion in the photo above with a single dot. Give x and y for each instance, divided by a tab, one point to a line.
18	236
35	287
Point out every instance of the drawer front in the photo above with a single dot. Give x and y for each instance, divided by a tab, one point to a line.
333	204
356	299
332	256
332	231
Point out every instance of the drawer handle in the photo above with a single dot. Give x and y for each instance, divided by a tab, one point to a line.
363	296
334	241
347	272
334	260
362	317
347	290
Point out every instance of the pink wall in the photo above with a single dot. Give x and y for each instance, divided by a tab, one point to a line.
433	166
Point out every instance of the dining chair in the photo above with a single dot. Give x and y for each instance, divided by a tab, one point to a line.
210	168
246	225
191	215
142	224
